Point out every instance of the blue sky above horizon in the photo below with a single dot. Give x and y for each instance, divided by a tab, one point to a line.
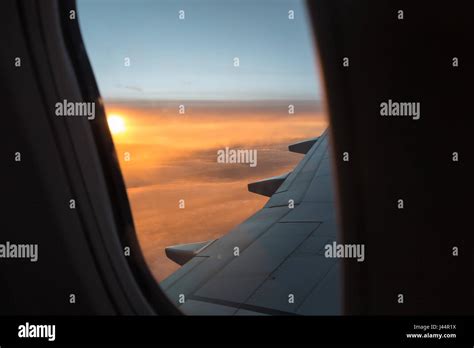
192	59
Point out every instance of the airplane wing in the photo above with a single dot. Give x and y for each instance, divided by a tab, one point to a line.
273	262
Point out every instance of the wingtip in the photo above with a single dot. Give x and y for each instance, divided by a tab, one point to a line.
267	187
182	253
303	146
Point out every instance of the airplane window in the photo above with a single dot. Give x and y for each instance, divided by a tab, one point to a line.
216	112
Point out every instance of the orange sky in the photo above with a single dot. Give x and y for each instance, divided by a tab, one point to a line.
173	157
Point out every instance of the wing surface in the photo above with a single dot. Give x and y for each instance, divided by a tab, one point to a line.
280	267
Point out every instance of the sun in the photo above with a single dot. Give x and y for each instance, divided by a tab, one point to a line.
116	124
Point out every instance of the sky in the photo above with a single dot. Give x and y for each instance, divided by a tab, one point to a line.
172	156
193	59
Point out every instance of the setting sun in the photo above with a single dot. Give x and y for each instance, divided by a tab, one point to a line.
116	124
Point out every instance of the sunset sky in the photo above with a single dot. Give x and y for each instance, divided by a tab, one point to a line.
193	58
190	62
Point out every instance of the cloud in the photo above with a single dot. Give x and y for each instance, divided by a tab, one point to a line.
174	157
